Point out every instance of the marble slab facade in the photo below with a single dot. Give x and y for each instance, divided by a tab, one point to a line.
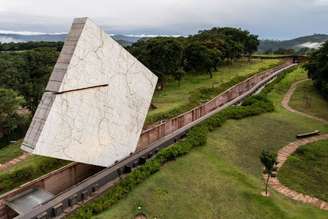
95	103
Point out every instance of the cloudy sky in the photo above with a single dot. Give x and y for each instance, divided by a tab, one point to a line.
274	19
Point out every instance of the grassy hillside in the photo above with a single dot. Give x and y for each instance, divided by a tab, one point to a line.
223	179
10	152
306	99
175	95
306	170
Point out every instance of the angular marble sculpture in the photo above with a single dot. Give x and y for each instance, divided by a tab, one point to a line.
95	103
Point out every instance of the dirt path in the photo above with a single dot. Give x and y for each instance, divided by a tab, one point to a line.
13	162
289	149
289	94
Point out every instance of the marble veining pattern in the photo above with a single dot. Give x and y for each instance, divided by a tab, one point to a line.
99	108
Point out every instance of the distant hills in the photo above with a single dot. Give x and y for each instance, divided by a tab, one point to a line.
25	37
7	38
312	42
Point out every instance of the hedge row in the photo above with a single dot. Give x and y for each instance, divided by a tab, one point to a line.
196	137
199	96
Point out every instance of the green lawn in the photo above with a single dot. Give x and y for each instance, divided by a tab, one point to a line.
223	179
10	151
306	99
174	95
306	170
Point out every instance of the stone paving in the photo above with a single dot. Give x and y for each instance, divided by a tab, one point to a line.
281	158
13	161
284	152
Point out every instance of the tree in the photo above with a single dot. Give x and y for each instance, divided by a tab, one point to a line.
198	58
10	102
178	75
268	160
318	69
27	73
162	55
38	64
251	45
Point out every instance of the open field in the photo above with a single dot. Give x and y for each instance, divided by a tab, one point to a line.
306	99
174	95
306	170
223	179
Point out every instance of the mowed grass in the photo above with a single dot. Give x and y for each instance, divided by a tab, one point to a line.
306	170
175	95
223	179
307	99
10	151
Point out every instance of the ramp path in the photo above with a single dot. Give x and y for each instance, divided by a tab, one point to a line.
289	149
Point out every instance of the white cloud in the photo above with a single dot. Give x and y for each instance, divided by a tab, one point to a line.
267	18
321	2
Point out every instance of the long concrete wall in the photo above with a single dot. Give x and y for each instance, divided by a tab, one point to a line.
167	127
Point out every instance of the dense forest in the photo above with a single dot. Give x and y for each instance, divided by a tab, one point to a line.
29	45
26	67
318	69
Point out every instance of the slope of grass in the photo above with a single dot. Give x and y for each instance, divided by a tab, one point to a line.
175	95
223	179
10	151
306	170
306	99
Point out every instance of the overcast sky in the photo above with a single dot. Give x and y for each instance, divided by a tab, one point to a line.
274	19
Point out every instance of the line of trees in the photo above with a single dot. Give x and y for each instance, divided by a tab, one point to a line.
29	45
318	69
199	53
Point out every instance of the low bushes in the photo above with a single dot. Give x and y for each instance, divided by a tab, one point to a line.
196	137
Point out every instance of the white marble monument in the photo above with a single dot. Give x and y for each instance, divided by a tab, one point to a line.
95	103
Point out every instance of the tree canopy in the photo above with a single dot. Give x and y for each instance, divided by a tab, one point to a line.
201	53
27	73
318	69
10	102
